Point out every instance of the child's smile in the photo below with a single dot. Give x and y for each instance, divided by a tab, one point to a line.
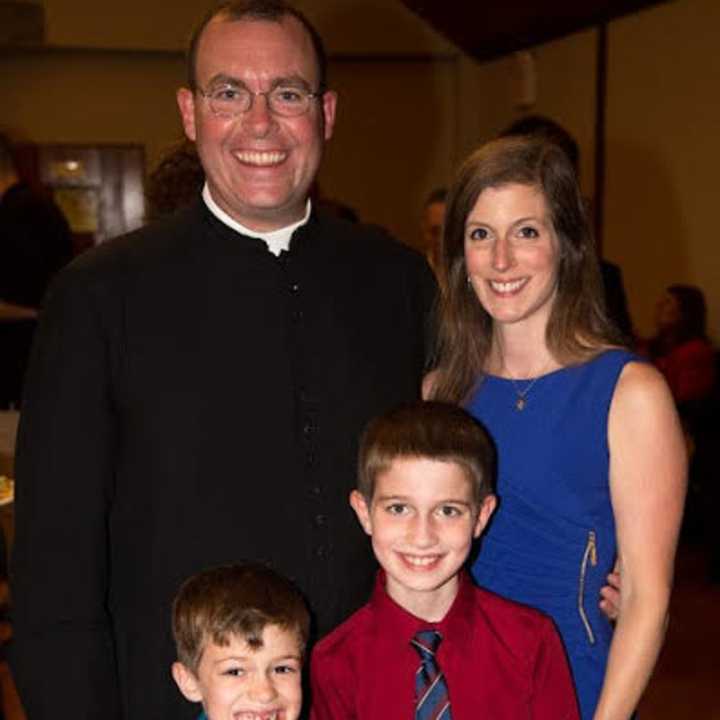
240	682
422	520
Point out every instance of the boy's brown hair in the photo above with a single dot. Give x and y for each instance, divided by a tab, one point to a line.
432	430
235	600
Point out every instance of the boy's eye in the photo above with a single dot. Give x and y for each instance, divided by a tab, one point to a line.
449	511
286	669
396	509
234	671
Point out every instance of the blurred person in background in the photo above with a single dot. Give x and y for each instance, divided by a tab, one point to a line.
35	242
176	181
431	224
680	348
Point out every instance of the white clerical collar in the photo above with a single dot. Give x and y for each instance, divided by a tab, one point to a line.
276	240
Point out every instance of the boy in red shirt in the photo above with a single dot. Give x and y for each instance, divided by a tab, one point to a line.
430	644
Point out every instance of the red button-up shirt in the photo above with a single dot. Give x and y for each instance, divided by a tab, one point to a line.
501	660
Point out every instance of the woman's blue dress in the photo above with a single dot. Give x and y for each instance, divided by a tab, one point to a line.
551	541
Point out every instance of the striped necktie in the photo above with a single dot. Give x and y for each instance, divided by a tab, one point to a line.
431	691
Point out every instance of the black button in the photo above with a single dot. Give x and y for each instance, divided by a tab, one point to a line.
294	287
320	520
316	490
321	552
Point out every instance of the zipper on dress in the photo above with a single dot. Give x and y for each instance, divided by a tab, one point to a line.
590	555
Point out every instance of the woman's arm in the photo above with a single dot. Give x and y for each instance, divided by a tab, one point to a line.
648	468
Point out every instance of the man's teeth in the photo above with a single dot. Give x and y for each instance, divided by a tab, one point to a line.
257	716
507	287
420	561
260	158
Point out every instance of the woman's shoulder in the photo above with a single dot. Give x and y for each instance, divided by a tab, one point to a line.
641	387
604	361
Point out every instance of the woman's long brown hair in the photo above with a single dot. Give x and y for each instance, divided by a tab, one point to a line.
578	327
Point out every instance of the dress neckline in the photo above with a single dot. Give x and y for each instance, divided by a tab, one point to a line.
557	371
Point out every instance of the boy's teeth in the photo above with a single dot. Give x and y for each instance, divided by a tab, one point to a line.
420	560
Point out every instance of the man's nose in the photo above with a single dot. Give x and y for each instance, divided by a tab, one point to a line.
258	118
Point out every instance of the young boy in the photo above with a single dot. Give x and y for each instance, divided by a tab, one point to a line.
430	644
240	633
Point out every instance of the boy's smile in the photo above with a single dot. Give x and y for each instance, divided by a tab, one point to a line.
422	520
238	682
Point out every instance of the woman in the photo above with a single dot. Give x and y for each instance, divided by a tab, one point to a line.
681	349
591	463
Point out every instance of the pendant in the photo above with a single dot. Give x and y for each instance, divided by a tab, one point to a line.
520	403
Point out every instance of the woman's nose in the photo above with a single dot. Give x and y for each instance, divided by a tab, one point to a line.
502	255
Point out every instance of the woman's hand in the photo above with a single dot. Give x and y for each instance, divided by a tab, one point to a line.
610	595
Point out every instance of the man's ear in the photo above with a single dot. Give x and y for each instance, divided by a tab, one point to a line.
360	506
186	104
329	107
486	510
186	681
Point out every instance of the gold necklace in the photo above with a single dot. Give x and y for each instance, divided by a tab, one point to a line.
522	393
520	401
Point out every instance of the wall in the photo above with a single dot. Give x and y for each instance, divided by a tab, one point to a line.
663	153
394	139
72	96
348	26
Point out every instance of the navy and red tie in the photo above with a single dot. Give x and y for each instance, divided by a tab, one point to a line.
432	701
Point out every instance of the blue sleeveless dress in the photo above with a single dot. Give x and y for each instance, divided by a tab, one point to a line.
551	541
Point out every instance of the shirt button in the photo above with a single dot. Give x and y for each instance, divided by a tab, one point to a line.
294	287
316	490
320	520
320	552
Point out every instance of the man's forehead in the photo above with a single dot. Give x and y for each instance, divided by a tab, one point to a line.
265	44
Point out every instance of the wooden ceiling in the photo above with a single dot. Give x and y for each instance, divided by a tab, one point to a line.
486	29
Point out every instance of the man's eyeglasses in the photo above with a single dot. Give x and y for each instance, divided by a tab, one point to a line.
229	101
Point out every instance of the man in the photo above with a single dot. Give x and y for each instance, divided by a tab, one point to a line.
35	239
198	387
35	242
431	225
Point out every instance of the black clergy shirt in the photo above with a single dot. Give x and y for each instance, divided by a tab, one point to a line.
194	400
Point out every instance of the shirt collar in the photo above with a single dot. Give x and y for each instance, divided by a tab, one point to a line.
454	626
276	240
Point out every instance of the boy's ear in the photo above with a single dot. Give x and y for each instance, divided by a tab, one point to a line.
186	681
360	506
487	507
